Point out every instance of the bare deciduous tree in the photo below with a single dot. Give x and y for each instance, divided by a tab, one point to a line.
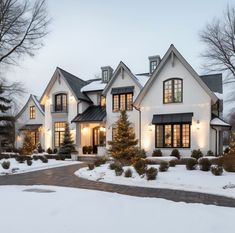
219	39
22	28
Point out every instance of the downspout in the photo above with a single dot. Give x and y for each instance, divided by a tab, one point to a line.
216	139
138	109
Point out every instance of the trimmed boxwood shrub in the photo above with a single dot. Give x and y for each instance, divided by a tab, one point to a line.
35	157
216	170
163	166
172	163
6	164
29	162
99	161
118	170
128	173
191	164
49	151
91	166
204	164
151	173
175	153
157	153
196	154
210	153
140	166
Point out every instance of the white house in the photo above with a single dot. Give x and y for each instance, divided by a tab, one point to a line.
170	106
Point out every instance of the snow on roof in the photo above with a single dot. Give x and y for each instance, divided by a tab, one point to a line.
142	79
219	122
94	86
219	95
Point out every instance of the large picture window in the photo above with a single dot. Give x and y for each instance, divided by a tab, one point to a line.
123	102
61	103
172	136
173	91
32	112
59	133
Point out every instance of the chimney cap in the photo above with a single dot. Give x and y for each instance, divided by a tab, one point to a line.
154	57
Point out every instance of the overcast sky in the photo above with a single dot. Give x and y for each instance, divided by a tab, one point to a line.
88	34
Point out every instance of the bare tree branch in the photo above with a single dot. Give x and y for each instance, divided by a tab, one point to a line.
23	26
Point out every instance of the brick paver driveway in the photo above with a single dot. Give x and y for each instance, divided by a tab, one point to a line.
64	176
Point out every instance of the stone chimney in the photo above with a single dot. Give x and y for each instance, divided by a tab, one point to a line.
153	63
107	73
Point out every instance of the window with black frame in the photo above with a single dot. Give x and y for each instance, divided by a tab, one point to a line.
172	135
123	102
61	104
173	91
59	130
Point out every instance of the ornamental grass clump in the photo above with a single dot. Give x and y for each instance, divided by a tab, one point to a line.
216	170
164	166
151	173
128	173
140	166
191	164
204	164
6	164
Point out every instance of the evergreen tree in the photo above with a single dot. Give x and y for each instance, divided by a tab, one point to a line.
123	147
67	146
4	102
28	145
232	144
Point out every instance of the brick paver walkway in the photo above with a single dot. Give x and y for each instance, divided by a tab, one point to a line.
64	176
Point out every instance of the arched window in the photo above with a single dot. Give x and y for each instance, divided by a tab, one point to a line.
61	102
173	91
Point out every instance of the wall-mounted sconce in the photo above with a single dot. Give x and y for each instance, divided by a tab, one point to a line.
198	124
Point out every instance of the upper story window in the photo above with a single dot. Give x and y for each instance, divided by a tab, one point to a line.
153	66
105	75
123	102
173	91
102	101
32	112
61	104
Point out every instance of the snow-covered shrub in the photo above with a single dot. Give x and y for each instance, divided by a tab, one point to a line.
216	170
151	173
99	161
43	159
157	153
196	154
191	164
172	163
6	164
140	153
128	173
204	164
140	166
175	153
118	170
115	164
29	162
210	153
91	166
22	158
49	151
163	166
35	157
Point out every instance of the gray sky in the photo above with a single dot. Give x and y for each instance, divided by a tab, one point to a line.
88	34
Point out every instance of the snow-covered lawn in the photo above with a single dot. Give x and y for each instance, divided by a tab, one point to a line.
68	210
175	178
36	165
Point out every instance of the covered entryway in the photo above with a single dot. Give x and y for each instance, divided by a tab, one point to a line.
91	131
219	126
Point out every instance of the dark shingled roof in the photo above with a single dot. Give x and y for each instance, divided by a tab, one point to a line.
214	82
92	114
76	84
172	118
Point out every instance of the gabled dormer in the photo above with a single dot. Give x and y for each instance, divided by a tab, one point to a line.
107	73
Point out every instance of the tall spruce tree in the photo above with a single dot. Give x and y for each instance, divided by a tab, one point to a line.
4	102
67	146
232	144
123	147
